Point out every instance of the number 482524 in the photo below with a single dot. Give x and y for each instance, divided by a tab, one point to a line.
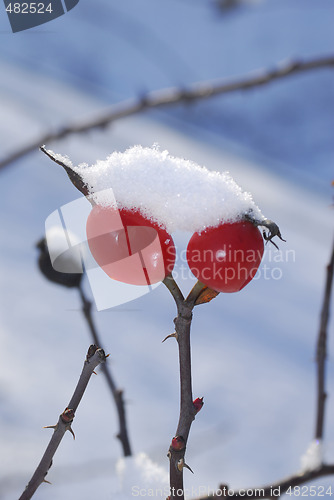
309	491
29	8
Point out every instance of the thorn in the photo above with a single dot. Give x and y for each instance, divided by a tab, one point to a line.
69	428
94	372
54	427
187	467
174	335
46	481
107	355
181	464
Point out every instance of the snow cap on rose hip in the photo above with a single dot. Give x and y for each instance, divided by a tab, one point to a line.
175	193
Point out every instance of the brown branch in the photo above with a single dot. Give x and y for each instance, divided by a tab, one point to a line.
94	357
117	393
275	489
322	349
172	286
172	96
177	448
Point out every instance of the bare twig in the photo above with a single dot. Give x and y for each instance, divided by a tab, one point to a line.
117	393
274	490
172	96
95	356
172	286
322	349
72	175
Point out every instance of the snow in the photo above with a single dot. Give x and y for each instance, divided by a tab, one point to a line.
176	193
313	457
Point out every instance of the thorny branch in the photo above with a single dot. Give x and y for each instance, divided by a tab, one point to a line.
325	469
94	357
117	393
74	280
172	96
182	323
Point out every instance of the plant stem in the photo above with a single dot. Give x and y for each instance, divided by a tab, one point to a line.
322	350
64	421
187	410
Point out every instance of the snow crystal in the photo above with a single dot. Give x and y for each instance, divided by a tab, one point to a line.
139	476
176	193
64	249
313	457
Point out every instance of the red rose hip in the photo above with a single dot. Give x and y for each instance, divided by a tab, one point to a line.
128	246
226	257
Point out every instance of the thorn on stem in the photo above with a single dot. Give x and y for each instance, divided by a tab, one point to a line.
181	465
54	427
171	335
69	428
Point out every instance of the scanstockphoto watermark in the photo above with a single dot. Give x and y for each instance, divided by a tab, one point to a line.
70	252
203	491
26	15
228	264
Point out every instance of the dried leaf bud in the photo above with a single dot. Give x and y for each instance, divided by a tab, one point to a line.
91	351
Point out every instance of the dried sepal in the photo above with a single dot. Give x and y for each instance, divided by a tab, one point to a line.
102	355
206	296
91	351
269	225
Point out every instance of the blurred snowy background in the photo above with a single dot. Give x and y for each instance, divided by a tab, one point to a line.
253	352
